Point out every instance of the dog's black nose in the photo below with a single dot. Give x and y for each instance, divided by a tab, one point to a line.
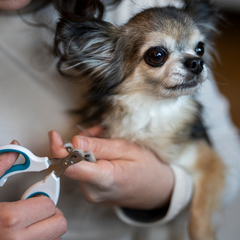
195	65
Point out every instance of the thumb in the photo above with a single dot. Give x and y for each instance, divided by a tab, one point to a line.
8	159
57	148
108	149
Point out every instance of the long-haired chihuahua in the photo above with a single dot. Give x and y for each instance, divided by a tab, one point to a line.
141	79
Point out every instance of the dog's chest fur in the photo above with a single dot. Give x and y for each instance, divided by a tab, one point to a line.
161	125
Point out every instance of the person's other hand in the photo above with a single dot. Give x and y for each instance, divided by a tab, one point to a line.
125	174
35	218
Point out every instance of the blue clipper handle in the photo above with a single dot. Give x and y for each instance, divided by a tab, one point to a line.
32	163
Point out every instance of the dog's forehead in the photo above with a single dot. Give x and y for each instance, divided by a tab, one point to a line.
183	41
167	27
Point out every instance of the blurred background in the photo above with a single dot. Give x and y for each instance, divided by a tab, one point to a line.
227	75
227	70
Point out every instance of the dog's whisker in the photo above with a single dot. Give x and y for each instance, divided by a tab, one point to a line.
221	76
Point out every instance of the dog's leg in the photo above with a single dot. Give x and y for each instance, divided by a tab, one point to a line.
209	183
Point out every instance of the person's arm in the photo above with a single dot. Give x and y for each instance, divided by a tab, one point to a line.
35	218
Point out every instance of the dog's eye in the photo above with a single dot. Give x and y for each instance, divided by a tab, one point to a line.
155	56
200	49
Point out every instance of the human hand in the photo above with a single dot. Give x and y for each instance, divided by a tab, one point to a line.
125	174
35	218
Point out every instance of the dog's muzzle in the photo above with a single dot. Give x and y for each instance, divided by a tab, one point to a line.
195	65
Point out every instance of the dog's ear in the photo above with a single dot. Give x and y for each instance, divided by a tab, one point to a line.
205	15
89	48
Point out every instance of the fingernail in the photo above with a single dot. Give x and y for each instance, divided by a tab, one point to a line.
82	143
15	142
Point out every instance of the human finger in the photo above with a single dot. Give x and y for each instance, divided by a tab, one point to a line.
51	228
24	213
107	149
8	159
57	148
114	155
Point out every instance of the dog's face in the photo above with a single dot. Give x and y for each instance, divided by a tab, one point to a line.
170	61
160	52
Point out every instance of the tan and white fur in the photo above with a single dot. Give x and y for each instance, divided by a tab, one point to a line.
141	79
